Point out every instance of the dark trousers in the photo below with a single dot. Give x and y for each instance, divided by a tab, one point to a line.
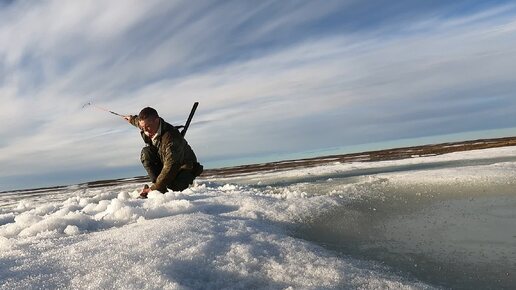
153	165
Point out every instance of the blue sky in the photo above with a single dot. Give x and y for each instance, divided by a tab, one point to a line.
273	78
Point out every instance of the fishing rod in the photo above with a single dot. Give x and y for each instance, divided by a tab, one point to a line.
100	108
184	127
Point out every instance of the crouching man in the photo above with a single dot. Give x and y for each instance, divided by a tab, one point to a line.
168	159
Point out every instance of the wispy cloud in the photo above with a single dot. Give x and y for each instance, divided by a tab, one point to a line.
271	77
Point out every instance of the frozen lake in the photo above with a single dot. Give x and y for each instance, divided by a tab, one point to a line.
458	235
445	221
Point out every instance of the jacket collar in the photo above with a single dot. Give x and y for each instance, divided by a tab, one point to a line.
156	136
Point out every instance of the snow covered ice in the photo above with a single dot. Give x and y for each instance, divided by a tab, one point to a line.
419	223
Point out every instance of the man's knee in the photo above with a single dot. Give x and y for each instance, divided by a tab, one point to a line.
151	162
148	155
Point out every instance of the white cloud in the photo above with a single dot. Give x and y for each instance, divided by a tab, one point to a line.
322	91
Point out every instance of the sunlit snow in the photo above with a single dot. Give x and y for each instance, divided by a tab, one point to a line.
325	227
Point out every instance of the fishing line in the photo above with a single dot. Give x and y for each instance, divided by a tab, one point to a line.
100	108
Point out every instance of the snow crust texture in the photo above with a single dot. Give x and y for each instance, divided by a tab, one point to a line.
222	233
209	237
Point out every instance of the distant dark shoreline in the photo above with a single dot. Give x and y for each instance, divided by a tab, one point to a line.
377	155
368	156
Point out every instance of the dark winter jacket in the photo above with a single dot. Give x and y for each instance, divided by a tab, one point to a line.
173	150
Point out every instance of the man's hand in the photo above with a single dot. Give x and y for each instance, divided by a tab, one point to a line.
145	191
127	118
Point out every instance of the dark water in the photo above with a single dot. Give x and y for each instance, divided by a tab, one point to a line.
458	235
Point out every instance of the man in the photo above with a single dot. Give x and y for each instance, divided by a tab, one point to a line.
168	159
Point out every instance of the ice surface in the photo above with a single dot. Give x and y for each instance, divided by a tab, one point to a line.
209	237
236	232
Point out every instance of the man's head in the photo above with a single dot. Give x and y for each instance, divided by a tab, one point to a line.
149	121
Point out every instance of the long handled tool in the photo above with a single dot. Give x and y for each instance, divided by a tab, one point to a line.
192	112
100	108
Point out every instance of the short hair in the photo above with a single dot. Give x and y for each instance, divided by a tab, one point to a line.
147	112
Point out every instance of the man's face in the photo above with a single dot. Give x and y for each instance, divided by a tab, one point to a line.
149	126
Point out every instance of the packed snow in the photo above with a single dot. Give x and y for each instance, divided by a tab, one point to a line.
235	232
